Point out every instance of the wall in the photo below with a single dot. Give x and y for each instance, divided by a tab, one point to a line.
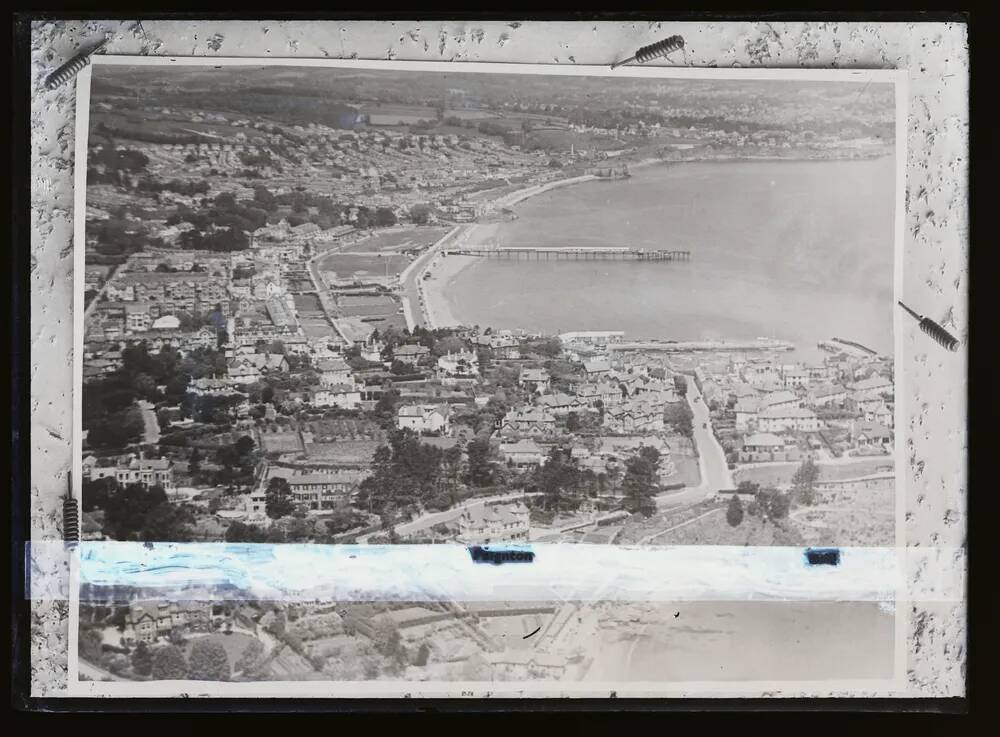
936	249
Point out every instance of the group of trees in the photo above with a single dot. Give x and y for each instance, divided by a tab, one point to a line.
109	411
773	504
117	237
766	503
236	461
407	471
680	418
641	481
137	512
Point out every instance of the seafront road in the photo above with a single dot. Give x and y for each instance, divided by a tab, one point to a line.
410	280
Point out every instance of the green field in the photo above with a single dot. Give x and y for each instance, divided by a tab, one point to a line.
779	476
361	265
235	644
399	240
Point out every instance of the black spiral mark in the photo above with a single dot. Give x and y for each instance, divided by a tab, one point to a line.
648	53
660	48
939	334
71	68
71	520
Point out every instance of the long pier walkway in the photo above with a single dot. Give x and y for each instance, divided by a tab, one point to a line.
574	253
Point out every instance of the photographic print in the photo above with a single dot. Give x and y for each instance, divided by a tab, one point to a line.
521	308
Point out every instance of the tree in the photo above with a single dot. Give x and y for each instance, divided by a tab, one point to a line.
263	197
244	446
572	422
679	416
278	502
90	644
126	509
169	664
423	654
556	477
239	532
734	512
640	482
773	504
165	523
96	493
804	480
388	643
385	407
420	214
680	384
208	661
480	466
385	217
142	660
194	461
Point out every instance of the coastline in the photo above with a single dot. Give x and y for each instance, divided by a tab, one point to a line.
435	308
434	303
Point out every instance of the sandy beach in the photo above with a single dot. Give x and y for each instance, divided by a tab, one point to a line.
434	306
442	271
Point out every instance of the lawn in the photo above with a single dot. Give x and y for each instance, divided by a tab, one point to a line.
363	264
685	471
398	240
715	530
234	643
781	476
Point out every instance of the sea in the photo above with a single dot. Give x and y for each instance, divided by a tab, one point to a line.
795	250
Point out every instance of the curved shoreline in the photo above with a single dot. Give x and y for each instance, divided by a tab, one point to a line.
436	309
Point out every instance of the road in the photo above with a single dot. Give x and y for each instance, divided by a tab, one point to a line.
410	286
100	294
325	300
433	518
151	426
713	468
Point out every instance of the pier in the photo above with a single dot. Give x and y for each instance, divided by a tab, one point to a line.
574	253
702	345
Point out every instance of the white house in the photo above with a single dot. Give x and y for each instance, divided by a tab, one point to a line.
463	364
423	418
523	453
486	524
341	396
778	419
333	371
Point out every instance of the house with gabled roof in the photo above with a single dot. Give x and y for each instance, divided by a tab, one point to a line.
424	418
524	452
780	419
534	379
528	421
494	523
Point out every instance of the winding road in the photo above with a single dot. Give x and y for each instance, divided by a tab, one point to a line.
713	469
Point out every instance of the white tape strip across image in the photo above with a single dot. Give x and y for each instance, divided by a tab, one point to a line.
308	572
